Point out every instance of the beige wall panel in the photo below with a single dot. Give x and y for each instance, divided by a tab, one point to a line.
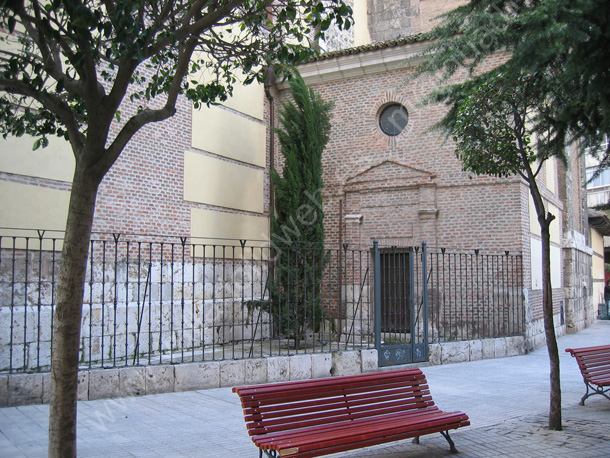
216	182
221	132
551	175
597	242
245	99
248	100
554	228
54	162
535	226
30	207
536	264
220	228
598	267
361	23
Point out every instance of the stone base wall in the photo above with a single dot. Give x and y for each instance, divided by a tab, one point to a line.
474	350
535	336
24	389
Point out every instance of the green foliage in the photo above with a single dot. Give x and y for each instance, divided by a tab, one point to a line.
567	41
63	62
297	227
492	126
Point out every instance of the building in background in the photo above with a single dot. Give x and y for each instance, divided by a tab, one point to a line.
203	175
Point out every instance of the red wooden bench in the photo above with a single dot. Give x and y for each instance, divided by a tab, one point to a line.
324	416
594	364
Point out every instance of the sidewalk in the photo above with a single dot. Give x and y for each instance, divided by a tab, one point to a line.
506	399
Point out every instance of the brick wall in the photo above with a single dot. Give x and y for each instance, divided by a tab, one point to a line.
411	186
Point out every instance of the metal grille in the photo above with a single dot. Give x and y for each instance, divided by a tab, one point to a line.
157	300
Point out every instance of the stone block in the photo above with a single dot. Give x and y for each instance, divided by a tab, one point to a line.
132	381
500	344
160	379
104	384
46	388
321	365
515	346
435	353
82	393
346	363
278	369
300	367
256	371
3	390
369	360
197	376
24	389
233	373
476	350
455	352
488	347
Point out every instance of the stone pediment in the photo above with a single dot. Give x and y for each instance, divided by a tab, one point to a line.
389	174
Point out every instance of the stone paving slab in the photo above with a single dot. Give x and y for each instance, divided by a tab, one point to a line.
506	399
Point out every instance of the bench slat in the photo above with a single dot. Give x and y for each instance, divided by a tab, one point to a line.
379	391
337	435
323	418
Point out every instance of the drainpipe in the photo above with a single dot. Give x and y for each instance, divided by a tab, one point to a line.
269	83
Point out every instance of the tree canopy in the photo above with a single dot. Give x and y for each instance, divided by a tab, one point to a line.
567	41
94	72
66	64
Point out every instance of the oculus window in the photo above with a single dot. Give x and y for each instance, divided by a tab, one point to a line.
393	119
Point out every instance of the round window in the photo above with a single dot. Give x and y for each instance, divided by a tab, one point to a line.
393	119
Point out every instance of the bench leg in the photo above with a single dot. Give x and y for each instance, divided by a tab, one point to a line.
269	453
451	444
416	440
594	390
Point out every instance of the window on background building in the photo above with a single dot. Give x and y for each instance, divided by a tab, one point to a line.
602	178
598	178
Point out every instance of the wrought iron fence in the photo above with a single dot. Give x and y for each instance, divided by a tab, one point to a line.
157	300
473	295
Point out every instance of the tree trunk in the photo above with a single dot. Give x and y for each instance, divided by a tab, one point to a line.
555	422
68	313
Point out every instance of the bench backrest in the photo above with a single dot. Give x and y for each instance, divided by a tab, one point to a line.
594	362
291	405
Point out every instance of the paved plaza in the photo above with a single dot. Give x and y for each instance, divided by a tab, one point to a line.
506	399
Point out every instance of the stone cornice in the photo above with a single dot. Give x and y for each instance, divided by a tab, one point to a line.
361	63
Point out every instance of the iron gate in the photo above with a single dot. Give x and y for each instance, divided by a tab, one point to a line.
401	304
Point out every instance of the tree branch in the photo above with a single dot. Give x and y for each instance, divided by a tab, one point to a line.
51	103
206	22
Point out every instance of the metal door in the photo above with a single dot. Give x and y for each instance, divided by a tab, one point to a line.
400	305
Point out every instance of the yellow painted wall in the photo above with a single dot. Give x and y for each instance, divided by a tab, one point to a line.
247	100
234	131
55	162
536	264
535	226
221	183
361	23
551	174
228	134
220	228
31	207
598	268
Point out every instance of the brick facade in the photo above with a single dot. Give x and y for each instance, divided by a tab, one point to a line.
411	188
